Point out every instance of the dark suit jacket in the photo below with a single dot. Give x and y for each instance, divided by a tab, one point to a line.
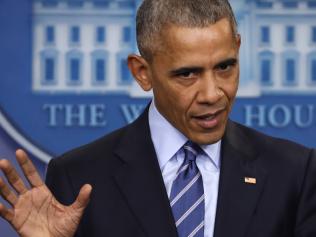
129	197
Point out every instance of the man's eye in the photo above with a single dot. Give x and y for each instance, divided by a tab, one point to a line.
224	67
187	74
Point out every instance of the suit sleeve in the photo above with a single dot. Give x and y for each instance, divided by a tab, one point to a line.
59	184
306	214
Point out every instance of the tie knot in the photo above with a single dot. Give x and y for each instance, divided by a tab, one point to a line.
191	150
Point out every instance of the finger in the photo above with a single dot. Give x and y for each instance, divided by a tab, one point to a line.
7	193
6	213
12	176
83	197
28	169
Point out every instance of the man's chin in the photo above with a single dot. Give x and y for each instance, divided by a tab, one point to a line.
207	139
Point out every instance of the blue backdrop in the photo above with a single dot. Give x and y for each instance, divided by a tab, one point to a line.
64	79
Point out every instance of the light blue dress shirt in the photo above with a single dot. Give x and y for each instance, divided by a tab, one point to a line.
168	142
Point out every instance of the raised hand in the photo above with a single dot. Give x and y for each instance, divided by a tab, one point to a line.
35	212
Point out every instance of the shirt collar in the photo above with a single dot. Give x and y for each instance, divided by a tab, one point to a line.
168	140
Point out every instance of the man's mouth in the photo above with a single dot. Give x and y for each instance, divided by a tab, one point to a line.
208	120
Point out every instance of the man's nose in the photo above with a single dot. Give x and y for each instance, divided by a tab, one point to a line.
209	90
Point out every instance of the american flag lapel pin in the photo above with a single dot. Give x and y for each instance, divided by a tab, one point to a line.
250	180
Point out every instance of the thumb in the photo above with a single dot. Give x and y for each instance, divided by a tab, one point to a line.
83	197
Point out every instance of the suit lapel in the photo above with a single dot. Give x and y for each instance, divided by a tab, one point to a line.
237	199
141	182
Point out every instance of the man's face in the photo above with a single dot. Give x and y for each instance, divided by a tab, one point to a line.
194	77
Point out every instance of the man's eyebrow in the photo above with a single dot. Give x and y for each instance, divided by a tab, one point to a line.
183	70
229	61
196	69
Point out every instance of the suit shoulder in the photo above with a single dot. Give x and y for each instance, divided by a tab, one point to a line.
93	150
276	147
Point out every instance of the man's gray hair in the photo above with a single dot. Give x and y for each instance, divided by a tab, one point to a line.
154	16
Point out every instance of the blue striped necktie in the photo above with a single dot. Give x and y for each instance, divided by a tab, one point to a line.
187	195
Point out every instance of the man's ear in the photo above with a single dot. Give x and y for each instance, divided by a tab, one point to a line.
238	40
140	71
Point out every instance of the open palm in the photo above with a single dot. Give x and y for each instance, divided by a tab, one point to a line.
35	212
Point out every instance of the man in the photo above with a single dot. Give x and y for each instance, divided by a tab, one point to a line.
182	168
